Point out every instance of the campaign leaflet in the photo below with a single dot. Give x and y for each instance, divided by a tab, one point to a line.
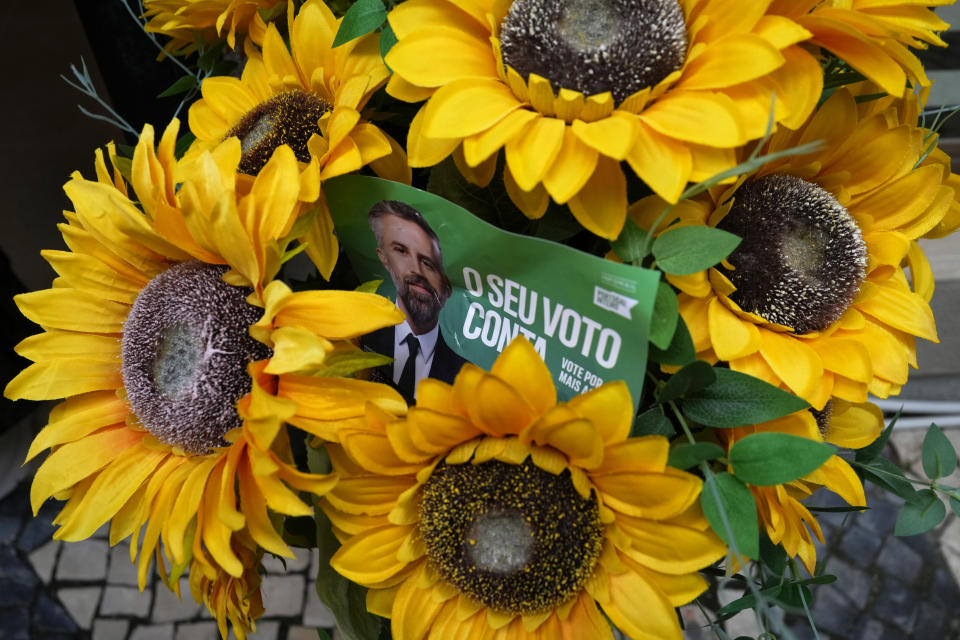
588	318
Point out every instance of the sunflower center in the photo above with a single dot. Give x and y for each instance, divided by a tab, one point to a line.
595	46
823	417
514	537
288	118
184	353
802	257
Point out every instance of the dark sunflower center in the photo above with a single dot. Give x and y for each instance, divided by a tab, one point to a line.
823	417
185	352
288	118
514	537
802	257
595	46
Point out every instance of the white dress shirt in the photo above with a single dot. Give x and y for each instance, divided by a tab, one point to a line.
401	352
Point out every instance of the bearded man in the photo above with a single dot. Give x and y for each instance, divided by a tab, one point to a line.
409	250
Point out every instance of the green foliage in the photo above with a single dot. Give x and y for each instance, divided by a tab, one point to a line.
686	250
873	450
736	399
652	422
938	457
364	17
684	456
691	378
387	39
631	244
884	473
345	363
921	515
370	286
666	312
727	500
679	352
770	458
182	85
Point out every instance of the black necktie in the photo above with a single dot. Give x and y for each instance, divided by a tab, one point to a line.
407	384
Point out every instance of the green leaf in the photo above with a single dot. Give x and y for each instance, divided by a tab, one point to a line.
271	14
337	365
300	531
684	456
631	243
652	422
736	500
921	516
875	448
369	286
736	399
769	458
208	58
938	456
680	351
746	602
322	634
124	166
693	377
772	555
666	312
362	18
884	473
346	600
182	85
387	39
836	509
955	505
183	143
686	250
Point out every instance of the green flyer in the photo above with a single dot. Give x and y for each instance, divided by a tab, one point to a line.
469	288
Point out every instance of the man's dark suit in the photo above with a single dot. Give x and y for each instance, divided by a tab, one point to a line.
445	366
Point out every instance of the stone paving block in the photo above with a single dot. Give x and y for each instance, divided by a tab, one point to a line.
168	608
125	601
898	559
274	564
81	603
106	629
121	570
39	529
266	630
930	621
9	528
49	616
15	623
303	633
869	630
315	613
944	590
897	603
852	583
314	564
44	560
283	595
83	560
831	609
860	545
152	632
198	631
881	516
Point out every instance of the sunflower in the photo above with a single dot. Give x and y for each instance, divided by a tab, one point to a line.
780	509
573	89
167	337
186	21
491	507
815	299
308	97
872	37
226	597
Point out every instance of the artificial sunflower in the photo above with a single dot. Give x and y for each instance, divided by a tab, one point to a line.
491	509
229	598
167	336
572	89
186	21
872	37
781	512
308	97
815	299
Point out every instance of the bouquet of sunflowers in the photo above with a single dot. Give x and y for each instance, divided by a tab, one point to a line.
734	191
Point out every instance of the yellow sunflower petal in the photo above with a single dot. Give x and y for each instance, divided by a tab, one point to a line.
640	610
695	116
371	556
601	205
662	162
609	408
648	495
52	379
670	548
78	416
572	168
730	336
414	57
531	153
465	107
898	308
794	362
